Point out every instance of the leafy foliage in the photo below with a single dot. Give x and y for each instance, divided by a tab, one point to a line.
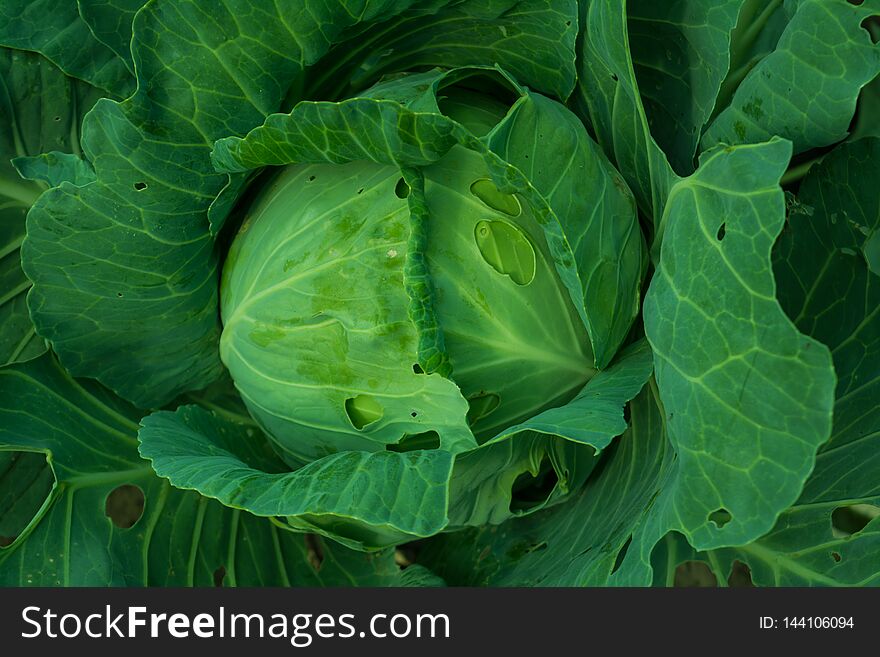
534	292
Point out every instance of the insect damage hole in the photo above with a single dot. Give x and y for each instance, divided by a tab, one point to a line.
694	574
871	25
621	555
720	517
722	231
415	441
314	551
125	505
140	186
219	576
401	189
740	575
853	518
363	410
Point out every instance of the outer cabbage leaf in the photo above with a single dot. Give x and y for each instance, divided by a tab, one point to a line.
579	543
83	439
370	500
826	287
453	33
681	53
483	485
42	109
110	21
607	98
364	500
58	32
806	89
746	397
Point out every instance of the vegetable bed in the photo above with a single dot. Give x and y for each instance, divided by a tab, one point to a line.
440	292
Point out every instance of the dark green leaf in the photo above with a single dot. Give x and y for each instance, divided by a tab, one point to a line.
747	398
181	539
806	89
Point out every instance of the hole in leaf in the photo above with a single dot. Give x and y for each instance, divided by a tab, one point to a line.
621	555
405	556
694	574
401	189
614	76
125	505
855	2
418	369
836	556
310	179
363	410
529	491
874	34
219	576
26	481
314	551
140	186
740	575
851	519
119	294
414	441
722	231
479	406
506	249
361	190
56	118
720	517
485	190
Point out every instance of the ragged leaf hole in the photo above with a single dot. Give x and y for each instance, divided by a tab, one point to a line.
363	410
853	518
694	574
125	505
413	441
720	517
401	189
621	555
874	34
314	551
